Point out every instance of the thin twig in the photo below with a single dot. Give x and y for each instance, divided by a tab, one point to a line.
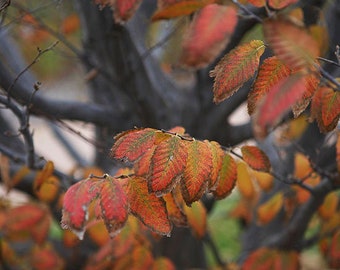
24	129
35	60
246	10
328	61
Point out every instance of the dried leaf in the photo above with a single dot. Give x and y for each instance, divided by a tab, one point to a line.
255	158
197	171
76	203
131	145
167	165
151	210
227	177
235	68
114	205
197	219
291	43
270	73
267	211
208	34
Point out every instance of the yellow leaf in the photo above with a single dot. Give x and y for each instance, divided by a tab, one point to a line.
268	210
244	183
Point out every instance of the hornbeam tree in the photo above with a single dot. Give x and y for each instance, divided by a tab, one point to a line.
165	79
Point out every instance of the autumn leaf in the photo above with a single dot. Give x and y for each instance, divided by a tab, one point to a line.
227	177
167	165
43	175
235	68
75	207
326	108
334	251
338	151
329	206
179	8
270	73
123	10
255	158
291	43
262	258
197	219
175	212
244	182
48	190
197	171
163	263
151	210
114	205
40	231
277	103
70	24
217	155
257	3
208	34
263	179
45	257
269	209
131	145
18	177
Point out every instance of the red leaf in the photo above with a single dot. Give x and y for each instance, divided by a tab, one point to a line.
41	229
197	219
76	203
235	68
270	73
277	102
197	171
326	108
290	43
70	24
151	210
208	34
114	205
255	158
142	167
45	257
167	165
180	8
131	145
262	258
124	9
226	178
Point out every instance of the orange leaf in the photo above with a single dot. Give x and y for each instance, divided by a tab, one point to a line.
338	151
302	167
311	84
142	258
175	211
48	190
180	8
217	155
197	219
208	34
257	3
235	68
268	210
18	177
270	73
131	145
279	4
114	205
197	171
143	165
287	260
244	182
163	263
76	203
326	108
167	165
43	175
70	24
41	229
226	178
255	158
262	258
277	103
98	233
329	206
151	210
291	43
264	180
